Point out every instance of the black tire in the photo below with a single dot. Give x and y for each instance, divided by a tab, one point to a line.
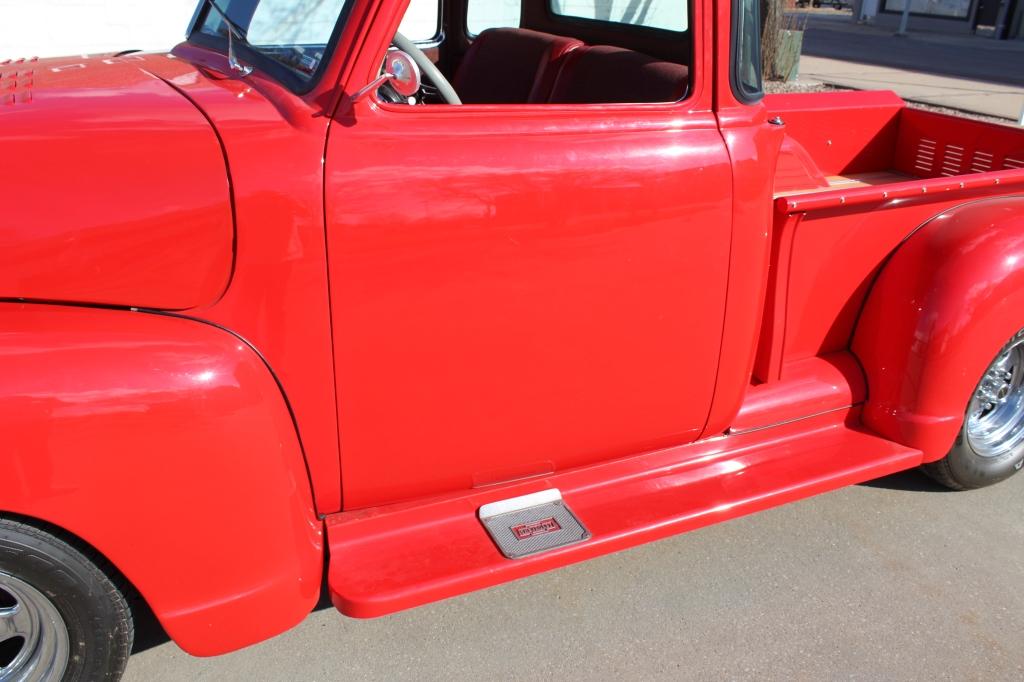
94	610
963	469
966	466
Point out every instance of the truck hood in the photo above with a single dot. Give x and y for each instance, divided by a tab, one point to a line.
116	187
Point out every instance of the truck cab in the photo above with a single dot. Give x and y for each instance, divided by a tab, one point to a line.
398	300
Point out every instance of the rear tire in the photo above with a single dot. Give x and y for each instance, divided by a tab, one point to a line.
990	445
61	615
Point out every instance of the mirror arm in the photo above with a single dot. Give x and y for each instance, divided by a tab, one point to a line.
372	86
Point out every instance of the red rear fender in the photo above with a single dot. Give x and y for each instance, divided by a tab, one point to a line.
942	307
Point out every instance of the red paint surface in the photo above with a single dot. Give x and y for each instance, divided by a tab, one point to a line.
949	299
166	444
278	299
807	387
461	305
385	563
549	291
115	190
830	244
843	132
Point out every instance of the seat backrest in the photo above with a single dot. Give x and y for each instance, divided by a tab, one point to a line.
511	66
603	73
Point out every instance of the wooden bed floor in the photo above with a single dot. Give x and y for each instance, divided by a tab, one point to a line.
852	181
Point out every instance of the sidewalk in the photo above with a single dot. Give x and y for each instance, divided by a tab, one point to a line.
970	73
1004	101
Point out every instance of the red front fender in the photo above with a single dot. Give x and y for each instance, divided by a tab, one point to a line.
167	445
942	307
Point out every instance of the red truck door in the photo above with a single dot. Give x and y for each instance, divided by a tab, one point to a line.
524	288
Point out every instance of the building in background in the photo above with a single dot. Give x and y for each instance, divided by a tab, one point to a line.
1003	19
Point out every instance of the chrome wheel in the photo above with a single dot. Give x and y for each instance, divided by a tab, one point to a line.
33	636
995	416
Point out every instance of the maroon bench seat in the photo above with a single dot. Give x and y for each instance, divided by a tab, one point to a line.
511	66
603	73
520	66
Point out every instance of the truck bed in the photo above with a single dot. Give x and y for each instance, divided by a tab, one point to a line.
858	173
851	140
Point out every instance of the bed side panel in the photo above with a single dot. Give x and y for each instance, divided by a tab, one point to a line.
932	145
834	256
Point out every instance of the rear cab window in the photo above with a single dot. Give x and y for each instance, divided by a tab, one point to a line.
669	15
484	14
422	21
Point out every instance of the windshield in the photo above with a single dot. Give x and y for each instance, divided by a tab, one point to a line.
294	34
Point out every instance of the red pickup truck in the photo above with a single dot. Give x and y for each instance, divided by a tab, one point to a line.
306	305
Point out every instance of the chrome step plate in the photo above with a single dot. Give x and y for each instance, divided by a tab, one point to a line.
531	524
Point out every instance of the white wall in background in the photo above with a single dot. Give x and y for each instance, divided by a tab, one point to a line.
51	28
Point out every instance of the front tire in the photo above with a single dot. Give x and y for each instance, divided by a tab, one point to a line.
61	616
990	445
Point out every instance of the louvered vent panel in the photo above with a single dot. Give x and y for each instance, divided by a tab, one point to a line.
981	163
952	160
924	161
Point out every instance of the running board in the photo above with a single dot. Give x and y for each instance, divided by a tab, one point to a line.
387	559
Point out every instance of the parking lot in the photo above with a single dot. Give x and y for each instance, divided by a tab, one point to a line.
897	579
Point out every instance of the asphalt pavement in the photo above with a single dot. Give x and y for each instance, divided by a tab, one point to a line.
894	580
836	36
966	72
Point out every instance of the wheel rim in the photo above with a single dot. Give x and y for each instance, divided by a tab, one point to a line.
995	417
33	635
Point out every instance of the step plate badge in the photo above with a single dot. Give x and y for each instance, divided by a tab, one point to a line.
531	524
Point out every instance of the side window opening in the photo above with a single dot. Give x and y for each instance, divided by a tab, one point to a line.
566	51
422	21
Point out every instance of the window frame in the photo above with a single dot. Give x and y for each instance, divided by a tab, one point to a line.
273	68
739	91
696	101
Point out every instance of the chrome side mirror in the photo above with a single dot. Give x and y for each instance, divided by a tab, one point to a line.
399	71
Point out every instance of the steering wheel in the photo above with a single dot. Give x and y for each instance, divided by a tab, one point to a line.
428	69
